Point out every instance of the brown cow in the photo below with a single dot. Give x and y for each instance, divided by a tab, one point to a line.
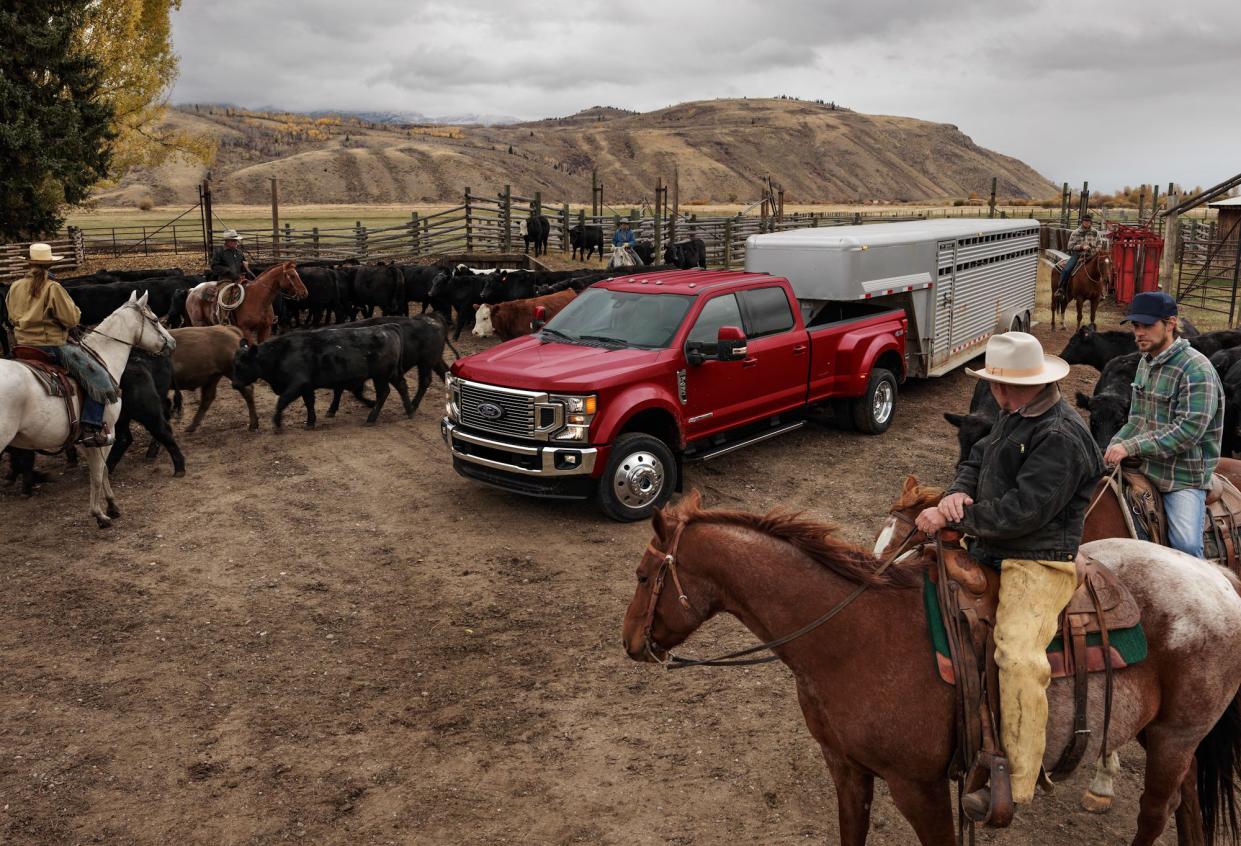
512	319
204	355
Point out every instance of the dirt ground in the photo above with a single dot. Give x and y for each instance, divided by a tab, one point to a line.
329	637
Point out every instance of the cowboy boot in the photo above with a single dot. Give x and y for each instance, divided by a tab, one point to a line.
977	804
96	437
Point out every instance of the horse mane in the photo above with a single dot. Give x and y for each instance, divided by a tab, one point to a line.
918	497
818	541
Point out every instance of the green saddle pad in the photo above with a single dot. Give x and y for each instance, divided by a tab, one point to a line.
1129	645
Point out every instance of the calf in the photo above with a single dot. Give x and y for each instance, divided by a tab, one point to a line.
1095	348
166	297
976	425
339	358
418	280
378	285
1223	360
1212	342
586	240
687	254
537	232
512	319
204	355
144	397
422	346
324	300
1109	405
458	290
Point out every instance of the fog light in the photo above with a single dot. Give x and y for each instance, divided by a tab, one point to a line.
578	419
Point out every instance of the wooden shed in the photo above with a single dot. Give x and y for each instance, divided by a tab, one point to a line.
1229	216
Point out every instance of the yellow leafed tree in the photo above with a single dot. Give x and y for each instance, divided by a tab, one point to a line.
132	41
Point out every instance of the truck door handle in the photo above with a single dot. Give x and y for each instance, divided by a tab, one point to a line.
749	362
799	349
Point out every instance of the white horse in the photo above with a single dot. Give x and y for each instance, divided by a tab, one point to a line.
30	419
622	257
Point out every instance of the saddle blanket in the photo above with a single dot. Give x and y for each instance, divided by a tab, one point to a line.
1128	646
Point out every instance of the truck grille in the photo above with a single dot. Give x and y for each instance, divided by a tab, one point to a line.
516	409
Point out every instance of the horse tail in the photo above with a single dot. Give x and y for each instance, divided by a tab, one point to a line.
1219	766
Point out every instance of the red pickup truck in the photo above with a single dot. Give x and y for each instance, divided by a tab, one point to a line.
642	373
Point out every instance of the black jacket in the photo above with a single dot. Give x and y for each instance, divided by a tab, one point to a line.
226	263
1031	480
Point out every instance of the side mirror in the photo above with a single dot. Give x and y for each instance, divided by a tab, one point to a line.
540	318
730	344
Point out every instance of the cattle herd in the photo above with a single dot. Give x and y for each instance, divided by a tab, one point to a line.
1115	355
327	340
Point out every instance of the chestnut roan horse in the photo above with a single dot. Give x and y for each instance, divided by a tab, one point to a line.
1091	277
255	315
867	683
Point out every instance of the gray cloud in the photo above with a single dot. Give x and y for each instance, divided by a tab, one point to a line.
1111	94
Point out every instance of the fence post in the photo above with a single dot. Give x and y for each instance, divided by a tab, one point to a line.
728	244
114	250
314	237
507	215
538	203
469	224
413	232
176	250
658	237
79	245
288	242
581	221
992	203
359	240
564	229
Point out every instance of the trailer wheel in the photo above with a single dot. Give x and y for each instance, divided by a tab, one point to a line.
873	411
640	477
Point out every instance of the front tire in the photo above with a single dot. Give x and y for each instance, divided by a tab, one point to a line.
640	476
874	410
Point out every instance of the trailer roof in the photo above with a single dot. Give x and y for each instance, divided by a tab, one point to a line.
877	234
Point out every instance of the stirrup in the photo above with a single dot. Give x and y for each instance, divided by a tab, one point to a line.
96	438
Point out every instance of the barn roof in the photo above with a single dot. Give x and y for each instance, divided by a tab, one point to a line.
1232	202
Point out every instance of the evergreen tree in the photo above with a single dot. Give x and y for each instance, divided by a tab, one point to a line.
55	126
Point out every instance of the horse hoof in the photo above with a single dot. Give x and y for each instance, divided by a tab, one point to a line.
177	474
113	511
104	522
1096	804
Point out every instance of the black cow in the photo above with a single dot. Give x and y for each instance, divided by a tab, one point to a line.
1109	406
504	286
586	241
1095	348
145	387
1212	342
976	425
645	250
97	278
458	290
687	254
377	285
1223	360
1231	442
418	279
166	297
537	232
324	300
21	466
136	275
339	358
422	346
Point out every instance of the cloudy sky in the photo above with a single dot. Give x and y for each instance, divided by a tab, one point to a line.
1115	93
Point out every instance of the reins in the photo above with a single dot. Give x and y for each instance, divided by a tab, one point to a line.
739	658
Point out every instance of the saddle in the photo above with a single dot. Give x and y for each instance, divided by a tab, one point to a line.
56	381
968	596
1221	530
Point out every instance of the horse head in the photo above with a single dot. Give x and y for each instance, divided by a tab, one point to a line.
291	283
898	530
139	327
658	620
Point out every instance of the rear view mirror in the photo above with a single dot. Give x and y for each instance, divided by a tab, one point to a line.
540	318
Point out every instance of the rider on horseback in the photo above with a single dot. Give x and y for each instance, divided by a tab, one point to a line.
1084	241
43	316
230	263
1022	497
1176	419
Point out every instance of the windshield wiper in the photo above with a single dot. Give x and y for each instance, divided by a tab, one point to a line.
606	340
557	333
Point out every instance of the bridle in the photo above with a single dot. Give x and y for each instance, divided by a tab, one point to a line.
668	566
146	318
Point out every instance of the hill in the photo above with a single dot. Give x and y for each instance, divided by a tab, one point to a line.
723	148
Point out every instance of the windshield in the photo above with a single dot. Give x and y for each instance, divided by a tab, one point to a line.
638	320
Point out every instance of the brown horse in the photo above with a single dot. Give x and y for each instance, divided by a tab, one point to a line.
255	315
867	684
1091	277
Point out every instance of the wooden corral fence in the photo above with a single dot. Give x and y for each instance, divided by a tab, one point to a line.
13	256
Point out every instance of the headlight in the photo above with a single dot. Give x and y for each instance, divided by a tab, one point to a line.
578	412
452	397
572	433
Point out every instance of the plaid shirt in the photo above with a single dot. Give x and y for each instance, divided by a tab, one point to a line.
1176	418
1085	239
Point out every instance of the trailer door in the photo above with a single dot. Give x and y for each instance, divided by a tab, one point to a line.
941	331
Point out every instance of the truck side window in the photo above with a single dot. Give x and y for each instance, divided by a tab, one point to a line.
721	311
768	310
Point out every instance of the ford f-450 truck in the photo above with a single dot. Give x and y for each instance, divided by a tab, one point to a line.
643	373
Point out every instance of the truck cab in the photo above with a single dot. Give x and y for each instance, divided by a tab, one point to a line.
641	374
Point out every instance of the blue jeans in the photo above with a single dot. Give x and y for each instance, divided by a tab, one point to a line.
1186	511
92	410
1067	273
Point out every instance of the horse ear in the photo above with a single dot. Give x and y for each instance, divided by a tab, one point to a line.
911	484
142	301
661	523
133	297
954	419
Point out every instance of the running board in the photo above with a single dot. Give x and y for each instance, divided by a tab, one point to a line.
727	448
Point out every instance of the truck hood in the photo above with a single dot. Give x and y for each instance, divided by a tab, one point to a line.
530	364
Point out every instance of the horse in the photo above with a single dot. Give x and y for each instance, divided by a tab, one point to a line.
1105	519
30	419
1091	277
867	684
622	257
255	315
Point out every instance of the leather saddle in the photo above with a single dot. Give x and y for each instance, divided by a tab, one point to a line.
968	595
1221	529
56	381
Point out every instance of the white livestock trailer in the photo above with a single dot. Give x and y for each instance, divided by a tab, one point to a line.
959	280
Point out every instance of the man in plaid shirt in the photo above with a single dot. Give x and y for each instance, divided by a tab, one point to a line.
1084	241
1176	419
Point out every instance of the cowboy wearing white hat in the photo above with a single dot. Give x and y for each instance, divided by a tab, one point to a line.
42	315
229	262
1022	497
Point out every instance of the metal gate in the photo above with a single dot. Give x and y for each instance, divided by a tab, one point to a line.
1210	269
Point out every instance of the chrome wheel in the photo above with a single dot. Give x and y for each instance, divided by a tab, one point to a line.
638	480
884	402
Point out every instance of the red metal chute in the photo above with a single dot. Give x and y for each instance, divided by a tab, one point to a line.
1136	251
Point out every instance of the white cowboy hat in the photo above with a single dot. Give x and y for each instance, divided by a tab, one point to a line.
42	254
231	235
1017	358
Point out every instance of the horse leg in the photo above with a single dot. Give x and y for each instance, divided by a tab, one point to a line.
95	461
205	397
1168	759
247	394
1094	305
928	807
1098	796
855	793
1078	302
308	399
1189	828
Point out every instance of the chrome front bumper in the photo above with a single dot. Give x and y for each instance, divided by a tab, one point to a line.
522	459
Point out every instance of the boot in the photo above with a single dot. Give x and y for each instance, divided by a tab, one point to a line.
95	437
977	804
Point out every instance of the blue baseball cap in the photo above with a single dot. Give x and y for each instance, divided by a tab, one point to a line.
1150	307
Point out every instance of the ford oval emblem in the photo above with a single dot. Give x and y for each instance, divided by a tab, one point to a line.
490	411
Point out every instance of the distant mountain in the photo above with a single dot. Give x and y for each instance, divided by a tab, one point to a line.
721	149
